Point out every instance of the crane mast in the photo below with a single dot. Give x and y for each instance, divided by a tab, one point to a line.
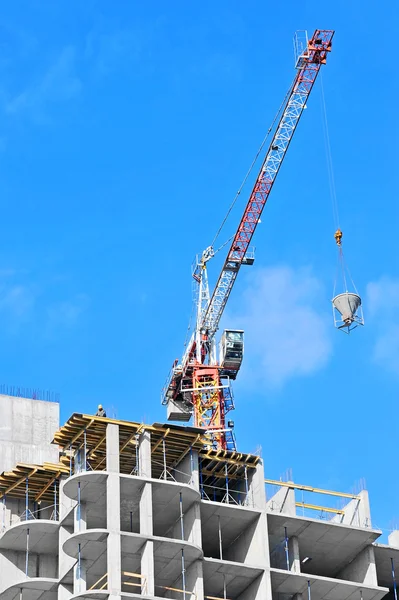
200	384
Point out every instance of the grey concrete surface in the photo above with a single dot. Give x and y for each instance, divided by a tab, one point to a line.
26	431
322	588
163	535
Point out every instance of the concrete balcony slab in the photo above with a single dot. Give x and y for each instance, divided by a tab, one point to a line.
43	536
92	542
38	588
322	588
91	595
92	485
165	548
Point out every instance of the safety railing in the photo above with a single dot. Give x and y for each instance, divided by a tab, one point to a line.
185	594
127	577
139	581
101	584
29	515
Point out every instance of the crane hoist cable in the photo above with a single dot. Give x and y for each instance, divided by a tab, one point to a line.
248	173
347	309
330	168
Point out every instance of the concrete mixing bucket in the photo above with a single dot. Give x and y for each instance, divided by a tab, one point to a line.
347	305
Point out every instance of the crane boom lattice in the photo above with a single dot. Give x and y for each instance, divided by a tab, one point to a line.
200	385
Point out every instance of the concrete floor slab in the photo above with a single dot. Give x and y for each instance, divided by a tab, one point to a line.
322	588
43	536
320	541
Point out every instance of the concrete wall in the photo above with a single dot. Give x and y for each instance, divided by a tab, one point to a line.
283	501
26	431
13	566
362	569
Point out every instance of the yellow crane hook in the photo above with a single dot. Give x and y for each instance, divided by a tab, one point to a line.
338	237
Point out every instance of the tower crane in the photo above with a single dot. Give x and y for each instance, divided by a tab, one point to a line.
200	384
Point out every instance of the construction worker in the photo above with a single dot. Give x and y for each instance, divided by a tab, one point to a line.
101	412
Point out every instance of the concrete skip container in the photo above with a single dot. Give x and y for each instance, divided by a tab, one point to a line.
347	304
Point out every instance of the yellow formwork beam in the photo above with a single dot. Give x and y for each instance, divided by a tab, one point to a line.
17	483
47	486
336	511
309	488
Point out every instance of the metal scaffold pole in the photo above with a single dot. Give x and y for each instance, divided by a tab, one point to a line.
27	499
246	484
287	557
27	553
78	507
220	539
165	474
395	592
183	574
55	499
181	516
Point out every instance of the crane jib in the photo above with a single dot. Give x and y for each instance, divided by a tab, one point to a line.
308	69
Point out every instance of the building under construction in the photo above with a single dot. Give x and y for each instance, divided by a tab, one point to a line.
133	510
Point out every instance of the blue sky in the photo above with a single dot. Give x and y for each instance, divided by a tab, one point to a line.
125	131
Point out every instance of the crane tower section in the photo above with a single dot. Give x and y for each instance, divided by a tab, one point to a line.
199	385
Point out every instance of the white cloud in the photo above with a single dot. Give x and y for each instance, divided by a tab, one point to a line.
65	314
286	332
383	305
16	301
59	83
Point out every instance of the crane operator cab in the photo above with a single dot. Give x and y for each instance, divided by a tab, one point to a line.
231	352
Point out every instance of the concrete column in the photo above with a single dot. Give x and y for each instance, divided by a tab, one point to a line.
65	504
145	510
64	591
393	538
356	512
362	569
112	442
113	511
145	454
194	581
260	589
65	562
80	518
192	524
252	547
147	567
187	471
79	578
293	554
297	596
257	493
